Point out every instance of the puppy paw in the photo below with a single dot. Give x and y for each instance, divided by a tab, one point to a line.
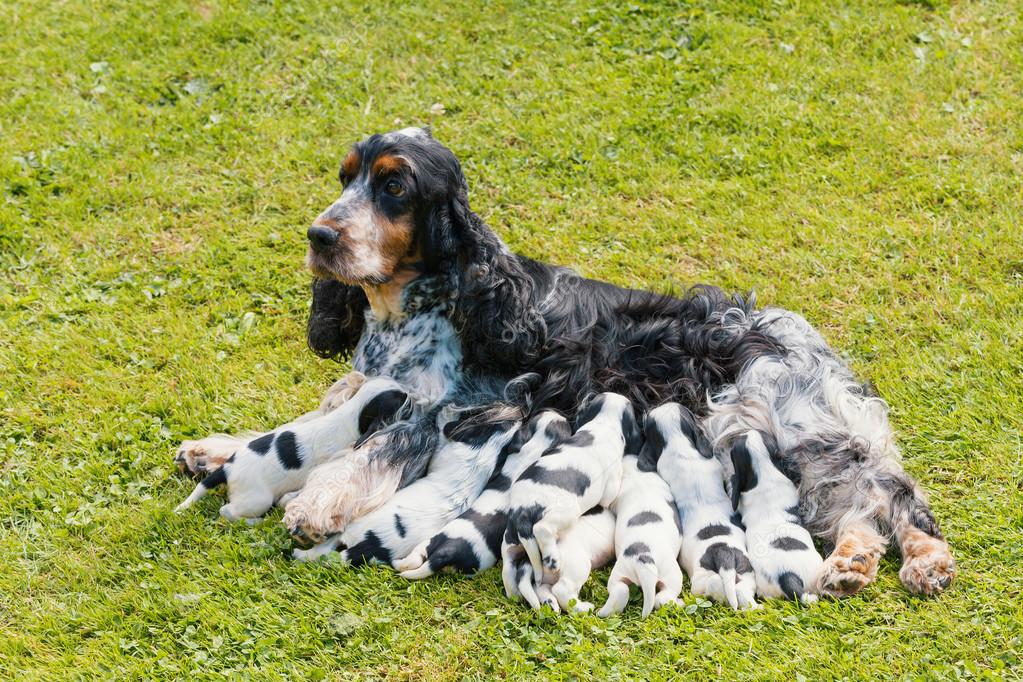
582	606
852	566
302	529
196	458
927	565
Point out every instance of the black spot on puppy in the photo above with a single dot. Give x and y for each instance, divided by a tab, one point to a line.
558	431
368	549
261	445
721	556
636	549
643	518
593	510
736	520
631	432
572	480
499	482
713	531
399	526
456	553
521	522
787	544
691	428
287	450
583	439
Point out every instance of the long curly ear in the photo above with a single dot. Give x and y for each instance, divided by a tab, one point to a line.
496	312
336	318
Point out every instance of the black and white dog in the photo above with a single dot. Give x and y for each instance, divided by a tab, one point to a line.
413	282
266	468
648	538
714	552
472	542
583	472
586	545
471	443
780	548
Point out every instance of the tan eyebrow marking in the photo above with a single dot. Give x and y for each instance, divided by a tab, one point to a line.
387	163
350	166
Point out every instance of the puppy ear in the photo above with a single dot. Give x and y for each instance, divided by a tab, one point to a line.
336	318
744	478
653	445
694	432
381	410
588	410
631	431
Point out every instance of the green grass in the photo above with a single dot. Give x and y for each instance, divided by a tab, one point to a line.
859	162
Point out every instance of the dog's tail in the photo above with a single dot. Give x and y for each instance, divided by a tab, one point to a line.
791	586
216	478
728	584
648	583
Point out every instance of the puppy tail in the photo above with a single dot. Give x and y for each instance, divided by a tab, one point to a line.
533	551
791	585
648	583
217	477
728	584
528	591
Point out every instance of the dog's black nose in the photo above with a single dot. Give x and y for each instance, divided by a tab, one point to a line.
321	238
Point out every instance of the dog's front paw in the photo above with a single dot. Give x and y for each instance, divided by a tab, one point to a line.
927	565
852	566
196	458
304	528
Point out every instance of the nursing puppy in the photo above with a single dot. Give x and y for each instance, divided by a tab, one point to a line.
780	548
471	441
581	473
260	472
714	551
648	537
472	542
588	544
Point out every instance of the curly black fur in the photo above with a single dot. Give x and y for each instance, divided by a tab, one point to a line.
515	316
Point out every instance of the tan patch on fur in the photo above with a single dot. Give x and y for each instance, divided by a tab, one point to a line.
385	299
853	564
350	165
387	163
927	565
324	221
338	492
342	390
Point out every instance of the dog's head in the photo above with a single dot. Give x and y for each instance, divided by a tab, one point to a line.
401	190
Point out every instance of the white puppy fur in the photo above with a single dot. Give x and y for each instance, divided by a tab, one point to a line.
648	538
714	551
261	471
780	548
588	544
466	458
472	542
583	472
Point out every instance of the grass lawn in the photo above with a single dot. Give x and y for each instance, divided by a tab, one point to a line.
858	161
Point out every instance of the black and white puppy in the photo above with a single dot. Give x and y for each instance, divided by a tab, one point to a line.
471	441
472	542
648	538
260	472
780	548
583	472
588	544
714	553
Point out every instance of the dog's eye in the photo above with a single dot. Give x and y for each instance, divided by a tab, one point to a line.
394	188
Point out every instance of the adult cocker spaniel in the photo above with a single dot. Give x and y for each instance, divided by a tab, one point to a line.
413	285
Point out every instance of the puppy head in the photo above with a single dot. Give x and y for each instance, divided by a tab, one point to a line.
394	185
